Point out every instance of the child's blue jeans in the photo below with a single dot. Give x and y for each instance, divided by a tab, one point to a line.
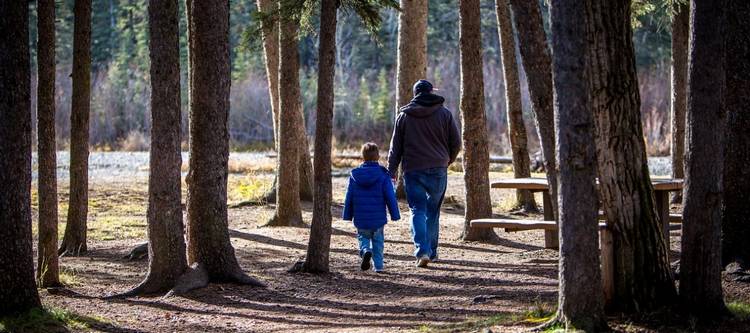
371	240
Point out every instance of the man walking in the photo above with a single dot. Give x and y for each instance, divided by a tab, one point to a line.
425	141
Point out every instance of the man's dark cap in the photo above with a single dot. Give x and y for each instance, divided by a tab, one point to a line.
422	86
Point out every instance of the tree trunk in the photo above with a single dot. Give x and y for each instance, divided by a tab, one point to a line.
412	48
735	224
535	57
514	110
411	62
305	163
47	263
270	34
288	208
270	31
74	240
476	153
319	244
18	293
210	77
167	259
700	263
580	298
643	275
680	31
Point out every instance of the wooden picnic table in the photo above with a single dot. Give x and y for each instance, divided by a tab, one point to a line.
662	188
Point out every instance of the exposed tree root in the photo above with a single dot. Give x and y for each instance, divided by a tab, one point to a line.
301	267
250	203
239	277
195	277
71	250
276	222
270	196
556	322
560	322
139	252
297	267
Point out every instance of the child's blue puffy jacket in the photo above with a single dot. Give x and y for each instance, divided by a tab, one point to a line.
369	192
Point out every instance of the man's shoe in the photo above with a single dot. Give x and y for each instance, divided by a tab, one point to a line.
434	258
366	261
423	261
382	270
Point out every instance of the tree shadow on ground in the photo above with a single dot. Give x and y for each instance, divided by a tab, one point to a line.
408	258
502	242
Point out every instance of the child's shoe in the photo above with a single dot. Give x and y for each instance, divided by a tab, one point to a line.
365	265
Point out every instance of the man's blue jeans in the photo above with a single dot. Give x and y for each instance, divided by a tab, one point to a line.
371	240
425	190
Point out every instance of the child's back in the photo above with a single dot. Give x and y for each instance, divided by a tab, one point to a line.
368	195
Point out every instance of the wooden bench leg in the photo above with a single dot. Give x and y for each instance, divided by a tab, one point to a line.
662	207
551	237
607	264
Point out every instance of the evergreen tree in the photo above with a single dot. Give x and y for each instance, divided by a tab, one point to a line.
18	293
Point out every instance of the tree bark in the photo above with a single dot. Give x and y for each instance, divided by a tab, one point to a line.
288	208
270	31
304	160
411	63
412	48
210	77
18	293
736	211
580	305
700	263
535	57
319	244
643	275
678	83
47	262
476	153
166	242
513	107
74	240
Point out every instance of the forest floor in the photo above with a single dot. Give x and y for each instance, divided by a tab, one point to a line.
507	286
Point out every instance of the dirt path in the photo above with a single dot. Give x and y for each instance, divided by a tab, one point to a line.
517	271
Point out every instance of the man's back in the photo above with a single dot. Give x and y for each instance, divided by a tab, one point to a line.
425	135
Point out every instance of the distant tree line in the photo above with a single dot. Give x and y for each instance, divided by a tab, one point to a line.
364	84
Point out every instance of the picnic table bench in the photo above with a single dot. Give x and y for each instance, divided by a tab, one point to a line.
662	187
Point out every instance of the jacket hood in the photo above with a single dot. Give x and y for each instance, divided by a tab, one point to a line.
368	174
423	105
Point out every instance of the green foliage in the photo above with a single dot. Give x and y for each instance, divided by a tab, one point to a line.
366	41
48	320
472	324
740	310
651	31
381	103
540	313
369	11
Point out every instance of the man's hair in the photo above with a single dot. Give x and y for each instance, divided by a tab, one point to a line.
370	152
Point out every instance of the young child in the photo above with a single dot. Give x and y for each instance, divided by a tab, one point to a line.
369	192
